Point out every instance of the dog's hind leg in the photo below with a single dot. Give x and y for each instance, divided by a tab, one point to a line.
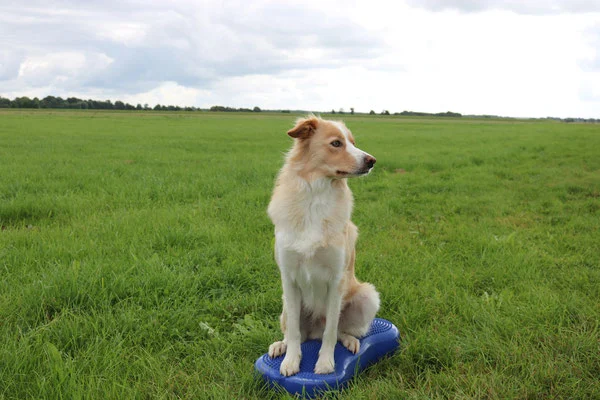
350	342
357	315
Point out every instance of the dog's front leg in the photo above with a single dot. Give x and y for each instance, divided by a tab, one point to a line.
326	363
334	258
291	362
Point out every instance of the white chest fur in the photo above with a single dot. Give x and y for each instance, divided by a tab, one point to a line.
311	216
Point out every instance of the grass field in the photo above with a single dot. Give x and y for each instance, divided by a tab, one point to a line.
136	255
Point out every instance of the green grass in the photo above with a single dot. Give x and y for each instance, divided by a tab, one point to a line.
136	255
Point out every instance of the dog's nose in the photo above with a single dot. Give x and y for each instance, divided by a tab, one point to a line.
370	161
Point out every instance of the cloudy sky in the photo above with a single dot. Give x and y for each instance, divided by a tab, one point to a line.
533	58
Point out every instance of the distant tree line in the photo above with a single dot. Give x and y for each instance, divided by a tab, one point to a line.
81	104
232	109
76	103
424	114
596	120
341	111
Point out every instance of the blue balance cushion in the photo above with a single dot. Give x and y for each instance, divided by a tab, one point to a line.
382	339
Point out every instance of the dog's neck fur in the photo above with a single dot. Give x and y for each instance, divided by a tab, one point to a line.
298	162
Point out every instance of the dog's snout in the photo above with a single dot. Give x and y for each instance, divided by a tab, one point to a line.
370	161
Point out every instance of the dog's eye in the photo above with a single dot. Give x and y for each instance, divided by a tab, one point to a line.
336	143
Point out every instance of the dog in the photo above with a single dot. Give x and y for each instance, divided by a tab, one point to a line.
315	241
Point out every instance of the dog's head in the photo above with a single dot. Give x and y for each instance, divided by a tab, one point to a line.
327	149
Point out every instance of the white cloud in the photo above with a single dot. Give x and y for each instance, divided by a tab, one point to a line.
66	69
168	93
126	33
502	57
534	7
10	62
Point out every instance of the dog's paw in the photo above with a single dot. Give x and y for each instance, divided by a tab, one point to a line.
351	343
277	349
290	365
325	364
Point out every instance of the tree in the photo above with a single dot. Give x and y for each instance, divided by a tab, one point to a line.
371	112
24	102
138	107
49	102
385	112
119	105
4	102
256	109
157	107
352	110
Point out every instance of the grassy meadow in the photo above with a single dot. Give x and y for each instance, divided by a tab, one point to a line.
136	255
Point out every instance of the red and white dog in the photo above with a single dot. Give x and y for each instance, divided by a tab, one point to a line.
314	244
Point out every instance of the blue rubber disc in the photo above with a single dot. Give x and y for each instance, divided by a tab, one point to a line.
382	339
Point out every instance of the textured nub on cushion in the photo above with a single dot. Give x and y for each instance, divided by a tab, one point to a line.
382	339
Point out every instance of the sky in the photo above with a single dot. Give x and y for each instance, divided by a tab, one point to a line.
534	58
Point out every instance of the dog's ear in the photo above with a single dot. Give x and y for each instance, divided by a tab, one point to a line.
305	127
